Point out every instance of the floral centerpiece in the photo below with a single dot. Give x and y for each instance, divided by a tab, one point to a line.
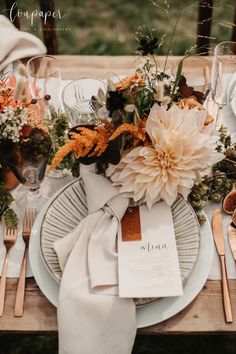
159	138
23	136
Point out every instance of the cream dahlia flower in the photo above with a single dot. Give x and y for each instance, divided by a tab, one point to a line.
181	148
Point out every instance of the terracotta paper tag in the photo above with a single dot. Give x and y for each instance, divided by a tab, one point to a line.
130	225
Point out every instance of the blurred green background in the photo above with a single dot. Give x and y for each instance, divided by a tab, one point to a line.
107	27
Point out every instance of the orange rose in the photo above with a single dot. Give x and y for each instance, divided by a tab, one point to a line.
191	102
129	81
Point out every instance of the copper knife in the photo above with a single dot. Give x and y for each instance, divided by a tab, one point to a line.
218	235
232	238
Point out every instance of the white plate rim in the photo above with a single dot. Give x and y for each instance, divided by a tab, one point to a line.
149	314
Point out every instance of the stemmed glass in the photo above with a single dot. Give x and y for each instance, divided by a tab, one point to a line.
30	174
33	174
196	70
45	79
45	85
223	86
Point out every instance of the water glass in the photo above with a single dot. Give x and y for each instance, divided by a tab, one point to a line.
81	103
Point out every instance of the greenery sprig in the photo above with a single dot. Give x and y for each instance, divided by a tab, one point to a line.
7	213
58	125
216	186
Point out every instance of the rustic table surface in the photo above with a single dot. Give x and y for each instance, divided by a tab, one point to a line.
204	315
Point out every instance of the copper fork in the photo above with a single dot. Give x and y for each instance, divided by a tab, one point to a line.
9	239
29	218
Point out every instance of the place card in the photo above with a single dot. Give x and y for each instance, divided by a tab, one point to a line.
148	264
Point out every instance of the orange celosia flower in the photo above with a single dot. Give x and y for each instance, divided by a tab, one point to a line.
109	126
88	142
138	132
64	151
102	142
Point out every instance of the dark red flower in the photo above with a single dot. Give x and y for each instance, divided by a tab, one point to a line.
147	46
187	91
115	101
25	131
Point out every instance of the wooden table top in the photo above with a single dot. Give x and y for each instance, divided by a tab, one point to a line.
204	315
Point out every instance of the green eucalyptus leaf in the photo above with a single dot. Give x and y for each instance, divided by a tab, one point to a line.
10	218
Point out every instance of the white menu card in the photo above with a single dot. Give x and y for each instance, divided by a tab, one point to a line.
149	266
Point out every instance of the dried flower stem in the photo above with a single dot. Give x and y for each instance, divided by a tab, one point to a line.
20	87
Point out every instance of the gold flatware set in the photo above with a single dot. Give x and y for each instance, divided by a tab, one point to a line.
9	239
218	234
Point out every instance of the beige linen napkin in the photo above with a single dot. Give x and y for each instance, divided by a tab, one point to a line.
91	317
15	44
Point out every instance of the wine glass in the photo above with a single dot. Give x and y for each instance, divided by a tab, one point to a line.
45	79
223	86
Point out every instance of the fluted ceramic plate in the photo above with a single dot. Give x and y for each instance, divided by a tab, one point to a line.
147	315
69	207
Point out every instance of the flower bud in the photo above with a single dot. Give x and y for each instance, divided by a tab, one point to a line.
130	108
47	97
22	70
166	100
20	87
111	85
159	91
101	95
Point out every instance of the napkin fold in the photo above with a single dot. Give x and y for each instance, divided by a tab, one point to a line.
91	316
15	44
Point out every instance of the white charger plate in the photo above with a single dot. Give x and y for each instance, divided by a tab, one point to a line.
149	314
